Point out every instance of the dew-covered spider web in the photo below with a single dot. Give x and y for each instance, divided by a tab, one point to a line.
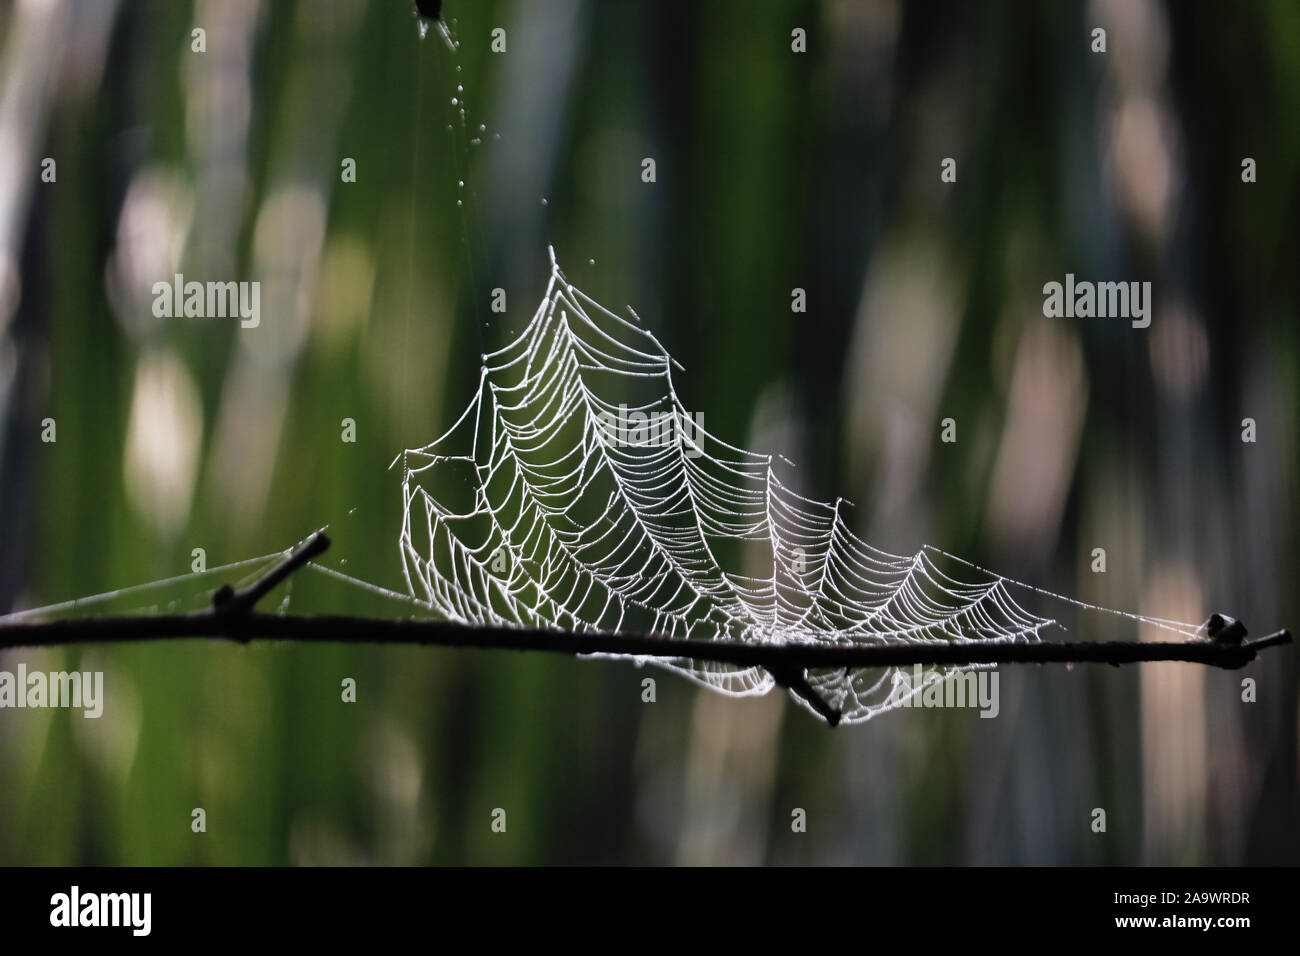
576	492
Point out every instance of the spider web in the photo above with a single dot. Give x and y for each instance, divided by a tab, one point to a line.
576	492
552	502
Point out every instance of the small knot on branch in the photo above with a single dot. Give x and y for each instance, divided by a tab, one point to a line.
1225	630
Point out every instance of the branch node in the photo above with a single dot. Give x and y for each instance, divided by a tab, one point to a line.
794	680
228	603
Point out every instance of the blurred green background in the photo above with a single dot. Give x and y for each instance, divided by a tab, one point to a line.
775	170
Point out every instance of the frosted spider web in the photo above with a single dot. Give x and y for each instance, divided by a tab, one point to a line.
576	492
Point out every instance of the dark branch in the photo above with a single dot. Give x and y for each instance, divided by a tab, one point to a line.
232	617
366	630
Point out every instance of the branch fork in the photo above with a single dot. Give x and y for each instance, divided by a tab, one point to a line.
229	604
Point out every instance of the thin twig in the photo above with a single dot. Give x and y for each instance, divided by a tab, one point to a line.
795	680
232	617
229	602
